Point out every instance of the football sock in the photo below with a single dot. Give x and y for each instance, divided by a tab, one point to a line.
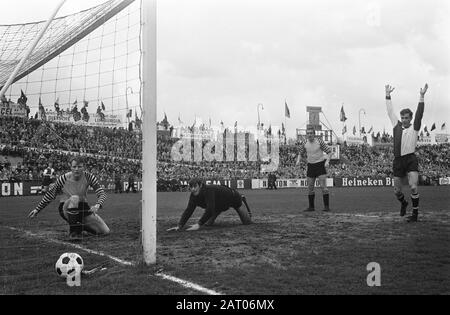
401	197
74	218
311	200
326	200
415	203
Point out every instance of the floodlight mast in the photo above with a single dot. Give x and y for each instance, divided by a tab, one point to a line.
30	49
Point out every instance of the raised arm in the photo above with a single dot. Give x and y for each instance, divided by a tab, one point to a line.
390	110
420	108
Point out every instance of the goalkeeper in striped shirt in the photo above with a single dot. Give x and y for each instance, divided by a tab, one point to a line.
73	206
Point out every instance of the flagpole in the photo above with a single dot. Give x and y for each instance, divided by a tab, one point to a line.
285	124
285	129
285	121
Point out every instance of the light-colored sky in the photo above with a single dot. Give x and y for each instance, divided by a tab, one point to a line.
219	59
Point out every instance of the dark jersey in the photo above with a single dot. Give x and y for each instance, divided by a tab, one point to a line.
214	199
405	139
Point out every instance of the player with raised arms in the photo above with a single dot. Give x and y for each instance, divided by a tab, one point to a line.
215	199
318	156
405	165
73	206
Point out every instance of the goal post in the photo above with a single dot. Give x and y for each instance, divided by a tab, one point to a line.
149	154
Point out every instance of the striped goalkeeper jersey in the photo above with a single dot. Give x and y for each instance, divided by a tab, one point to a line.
70	187
314	150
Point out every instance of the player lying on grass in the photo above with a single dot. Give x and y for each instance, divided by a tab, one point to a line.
405	165
73	206
215	199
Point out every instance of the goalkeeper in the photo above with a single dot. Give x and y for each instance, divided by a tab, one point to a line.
215	199
73	206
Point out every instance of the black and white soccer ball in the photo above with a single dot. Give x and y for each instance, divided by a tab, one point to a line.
68	263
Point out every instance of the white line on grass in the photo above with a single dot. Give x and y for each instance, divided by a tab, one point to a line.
187	284
358	215
183	283
51	240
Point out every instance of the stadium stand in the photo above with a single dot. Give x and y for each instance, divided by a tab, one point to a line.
27	145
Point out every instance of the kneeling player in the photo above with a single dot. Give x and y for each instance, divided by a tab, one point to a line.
215	199
73	206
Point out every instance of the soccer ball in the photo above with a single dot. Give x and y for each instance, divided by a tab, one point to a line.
68	263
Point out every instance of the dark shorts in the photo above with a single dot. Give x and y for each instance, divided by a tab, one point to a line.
46	181
405	164
316	169
83	208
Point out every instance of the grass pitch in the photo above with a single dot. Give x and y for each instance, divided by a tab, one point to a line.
285	251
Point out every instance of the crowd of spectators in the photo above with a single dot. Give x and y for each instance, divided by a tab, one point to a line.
27	146
33	162
33	133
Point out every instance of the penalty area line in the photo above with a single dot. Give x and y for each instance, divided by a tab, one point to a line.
183	283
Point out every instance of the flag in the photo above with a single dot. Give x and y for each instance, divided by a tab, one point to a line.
137	121
342	116
22	99
286	110
57	105
344	130
42	110
4	100
443	126
433	127
370	130
354	130
103	106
